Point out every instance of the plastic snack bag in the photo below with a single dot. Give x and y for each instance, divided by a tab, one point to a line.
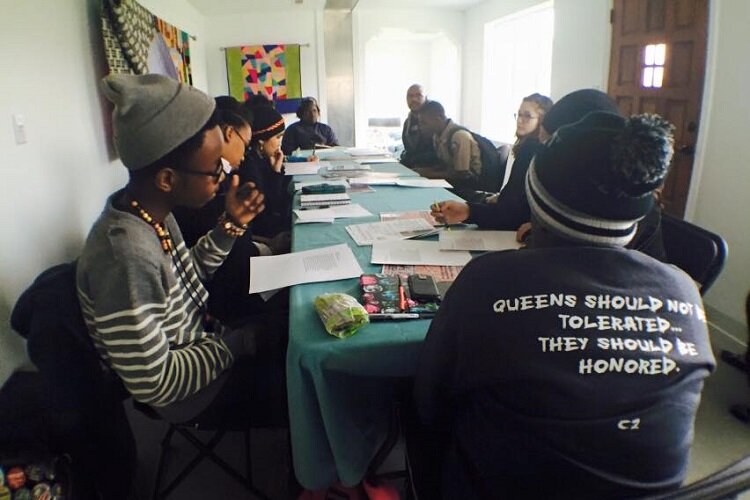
340	313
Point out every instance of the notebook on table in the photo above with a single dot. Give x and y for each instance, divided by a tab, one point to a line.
330	199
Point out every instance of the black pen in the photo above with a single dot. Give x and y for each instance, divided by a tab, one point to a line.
316	207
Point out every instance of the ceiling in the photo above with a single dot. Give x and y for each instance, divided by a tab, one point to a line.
223	7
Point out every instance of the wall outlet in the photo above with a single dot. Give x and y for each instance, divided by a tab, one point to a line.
19	128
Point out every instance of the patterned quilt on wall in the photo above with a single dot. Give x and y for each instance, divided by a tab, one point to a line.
271	70
138	42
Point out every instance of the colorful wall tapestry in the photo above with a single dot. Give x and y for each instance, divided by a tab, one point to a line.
138	42
179	48
271	70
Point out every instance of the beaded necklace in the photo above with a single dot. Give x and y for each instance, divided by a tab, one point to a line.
164	237
168	246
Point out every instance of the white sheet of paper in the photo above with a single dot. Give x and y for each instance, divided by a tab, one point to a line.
368	233
416	253
418	182
478	240
322	215
331	213
369	180
304	167
311	266
350	211
338	182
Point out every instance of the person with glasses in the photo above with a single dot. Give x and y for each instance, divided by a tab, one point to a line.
142	289
509	207
228	298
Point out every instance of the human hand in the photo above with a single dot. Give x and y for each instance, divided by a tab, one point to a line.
450	212
313	157
277	160
523	232
243	203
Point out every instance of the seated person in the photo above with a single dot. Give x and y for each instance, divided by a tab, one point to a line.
510	211
529	119
264	166
308	132
229	300
567	370
459	156
141	288
511	208
419	148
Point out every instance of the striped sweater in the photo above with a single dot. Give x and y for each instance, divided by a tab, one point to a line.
139	312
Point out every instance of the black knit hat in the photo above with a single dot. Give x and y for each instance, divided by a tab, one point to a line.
267	122
594	179
576	105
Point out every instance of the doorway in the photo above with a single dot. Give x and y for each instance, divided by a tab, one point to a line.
657	65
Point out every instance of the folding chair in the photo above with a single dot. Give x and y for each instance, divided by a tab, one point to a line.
204	449
695	250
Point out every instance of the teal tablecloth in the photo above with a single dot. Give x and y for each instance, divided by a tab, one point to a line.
340	389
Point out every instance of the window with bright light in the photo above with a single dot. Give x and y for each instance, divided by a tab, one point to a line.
517	63
394	60
654	57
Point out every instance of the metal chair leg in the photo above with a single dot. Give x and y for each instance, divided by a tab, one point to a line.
162	459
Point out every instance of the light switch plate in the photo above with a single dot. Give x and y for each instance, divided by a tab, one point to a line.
19	128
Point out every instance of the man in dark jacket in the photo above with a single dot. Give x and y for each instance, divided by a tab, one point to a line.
418	146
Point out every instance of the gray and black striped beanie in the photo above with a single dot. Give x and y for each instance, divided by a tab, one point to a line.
594	179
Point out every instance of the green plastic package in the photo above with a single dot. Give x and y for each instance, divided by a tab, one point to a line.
341	314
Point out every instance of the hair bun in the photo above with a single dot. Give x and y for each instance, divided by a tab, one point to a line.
642	153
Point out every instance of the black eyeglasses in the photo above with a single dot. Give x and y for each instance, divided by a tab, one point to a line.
216	175
245	142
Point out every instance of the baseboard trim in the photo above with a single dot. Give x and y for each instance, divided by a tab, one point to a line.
728	326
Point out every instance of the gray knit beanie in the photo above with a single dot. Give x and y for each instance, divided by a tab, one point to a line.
153	115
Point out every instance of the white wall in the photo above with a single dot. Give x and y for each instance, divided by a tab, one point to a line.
722	185
263	27
582	33
369	22
580	53
54	186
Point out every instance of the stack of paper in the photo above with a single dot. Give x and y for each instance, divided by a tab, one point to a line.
304	167
368	233
324	200
479	240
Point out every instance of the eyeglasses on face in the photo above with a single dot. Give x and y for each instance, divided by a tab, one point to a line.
525	117
245	142
216	175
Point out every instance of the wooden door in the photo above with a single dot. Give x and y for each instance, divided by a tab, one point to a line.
657	65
